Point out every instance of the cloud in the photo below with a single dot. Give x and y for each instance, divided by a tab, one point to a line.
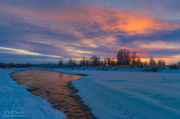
158	45
25	52
107	19
86	29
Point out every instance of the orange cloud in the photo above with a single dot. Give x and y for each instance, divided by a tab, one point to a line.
108	19
158	45
117	20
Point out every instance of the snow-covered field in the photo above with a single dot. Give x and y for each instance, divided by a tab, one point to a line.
130	94
126	94
17	103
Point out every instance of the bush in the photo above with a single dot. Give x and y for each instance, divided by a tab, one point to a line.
153	69
173	67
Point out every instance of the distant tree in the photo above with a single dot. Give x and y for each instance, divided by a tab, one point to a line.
83	62
2	65
123	57
145	64
113	62
174	66
127	57
50	65
107	61
134	58
152	62
71	62
87	62
61	62
95	61
120	57
161	63
179	63
11	65
139	63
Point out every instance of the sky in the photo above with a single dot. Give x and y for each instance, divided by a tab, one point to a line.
40	31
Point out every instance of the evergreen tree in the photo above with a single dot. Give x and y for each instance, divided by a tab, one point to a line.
152	62
60	63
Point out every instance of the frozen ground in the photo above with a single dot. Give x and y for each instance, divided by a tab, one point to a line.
126	94
17	103
130	94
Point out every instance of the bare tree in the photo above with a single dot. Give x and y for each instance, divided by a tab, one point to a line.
161	63
139	63
134	59
83	61
71	62
95	61
123	57
107	61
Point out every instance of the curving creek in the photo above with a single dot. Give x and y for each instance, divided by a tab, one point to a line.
56	88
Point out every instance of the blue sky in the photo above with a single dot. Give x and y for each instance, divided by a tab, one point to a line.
47	30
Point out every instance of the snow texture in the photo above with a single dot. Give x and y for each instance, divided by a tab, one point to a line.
122	94
130	94
17	103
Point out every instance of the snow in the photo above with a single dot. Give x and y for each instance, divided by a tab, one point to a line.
130	94
122	94
16	102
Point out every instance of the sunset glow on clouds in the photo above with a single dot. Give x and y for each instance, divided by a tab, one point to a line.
57	29
25	52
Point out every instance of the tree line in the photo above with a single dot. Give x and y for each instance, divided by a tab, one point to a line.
123	58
